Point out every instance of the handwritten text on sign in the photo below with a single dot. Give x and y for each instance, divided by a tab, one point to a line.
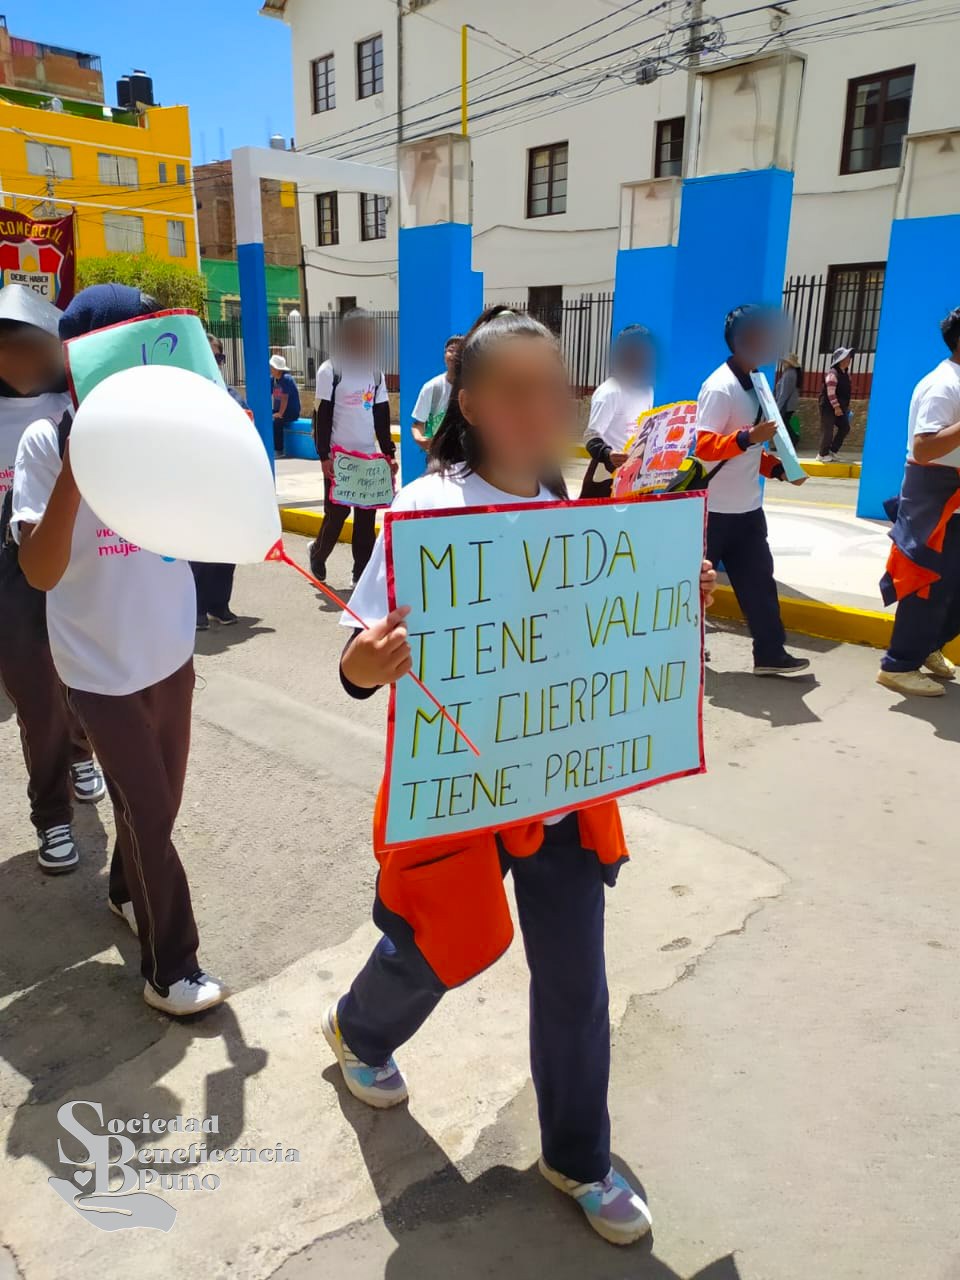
564	638
361	479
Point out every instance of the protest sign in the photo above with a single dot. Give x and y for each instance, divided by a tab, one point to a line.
566	640
361	479
39	253
175	338
771	412
656	452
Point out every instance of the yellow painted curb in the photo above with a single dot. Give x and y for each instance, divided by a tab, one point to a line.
832	470
308	522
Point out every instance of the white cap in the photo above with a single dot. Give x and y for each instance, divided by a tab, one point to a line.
278	362
17	302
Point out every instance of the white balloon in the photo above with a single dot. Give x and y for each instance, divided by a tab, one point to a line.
171	462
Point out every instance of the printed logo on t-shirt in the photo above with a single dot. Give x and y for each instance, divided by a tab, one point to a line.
6	480
360	399
111	544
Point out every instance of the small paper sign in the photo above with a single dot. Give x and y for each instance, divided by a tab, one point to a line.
361	479
175	338
771	412
664	438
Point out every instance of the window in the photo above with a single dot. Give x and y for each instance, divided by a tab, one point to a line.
547	180
878	111
323	80
181	175
54	162
176	238
328	218
851	313
162	172
545	303
668	153
123	233
369	67
118	171
346	304
373	217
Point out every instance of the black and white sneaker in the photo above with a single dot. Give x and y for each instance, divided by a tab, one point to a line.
785	666
226	618
88	784
189	995
57	852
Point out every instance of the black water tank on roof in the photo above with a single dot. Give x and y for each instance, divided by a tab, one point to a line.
124	96
141	88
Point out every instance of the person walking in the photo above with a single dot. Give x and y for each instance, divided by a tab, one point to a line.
353	412
835	405
787	395
286	402
923	570
434	395
214	582
616	407
731	433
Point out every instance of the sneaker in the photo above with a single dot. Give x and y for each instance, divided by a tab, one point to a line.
225	617
203	623
189	995
911	683
56	852
612	1207
125	911
317	567
785	666
939	664
376	1086
88	784
825	457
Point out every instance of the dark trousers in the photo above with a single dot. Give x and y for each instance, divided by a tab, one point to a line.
214	583
739	543
560	903
51	736
833	432
334	518
143	740
923	626
278	438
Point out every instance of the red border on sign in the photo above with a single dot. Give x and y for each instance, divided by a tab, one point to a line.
367	457
151	315
393	516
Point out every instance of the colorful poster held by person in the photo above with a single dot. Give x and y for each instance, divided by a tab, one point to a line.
175	338
655	453
361	479
39	253
566	639
785	450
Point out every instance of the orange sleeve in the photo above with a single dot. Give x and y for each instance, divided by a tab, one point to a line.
714	447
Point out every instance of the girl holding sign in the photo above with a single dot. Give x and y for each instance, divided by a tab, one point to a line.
442	921
617	405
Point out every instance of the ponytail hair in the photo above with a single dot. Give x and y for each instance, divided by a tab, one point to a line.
455	443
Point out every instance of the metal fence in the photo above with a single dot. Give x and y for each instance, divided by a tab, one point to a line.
826	312
583	326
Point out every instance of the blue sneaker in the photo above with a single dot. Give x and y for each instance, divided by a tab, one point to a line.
376	1086
612	1207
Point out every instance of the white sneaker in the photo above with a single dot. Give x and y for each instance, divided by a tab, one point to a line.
612	1207
379	1087
825	457
911	684
125	912
56	851
189	995
938	664
88	784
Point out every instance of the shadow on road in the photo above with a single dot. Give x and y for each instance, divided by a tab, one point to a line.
219	639
777	700
504	1223
941	713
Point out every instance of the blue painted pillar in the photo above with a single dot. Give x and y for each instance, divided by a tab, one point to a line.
644	294
256	338
732	249
440	294
922	284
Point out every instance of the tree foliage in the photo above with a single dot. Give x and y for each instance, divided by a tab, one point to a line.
171	284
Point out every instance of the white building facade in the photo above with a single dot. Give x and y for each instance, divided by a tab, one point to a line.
570	99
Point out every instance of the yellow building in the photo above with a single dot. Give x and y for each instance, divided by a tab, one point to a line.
127	174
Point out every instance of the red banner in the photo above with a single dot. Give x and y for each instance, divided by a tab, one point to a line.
39	253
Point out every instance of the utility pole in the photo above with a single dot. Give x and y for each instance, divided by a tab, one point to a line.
694	13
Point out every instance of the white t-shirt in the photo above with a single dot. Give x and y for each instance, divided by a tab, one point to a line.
16	414
120	619
726	407
357	392
936	404
432	404
615	412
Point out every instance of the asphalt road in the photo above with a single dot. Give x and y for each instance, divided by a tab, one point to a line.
783	954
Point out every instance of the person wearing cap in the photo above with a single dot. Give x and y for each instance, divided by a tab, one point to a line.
286	401
731	433
787	394
923	570
835	405
616	407
121	626
57	754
